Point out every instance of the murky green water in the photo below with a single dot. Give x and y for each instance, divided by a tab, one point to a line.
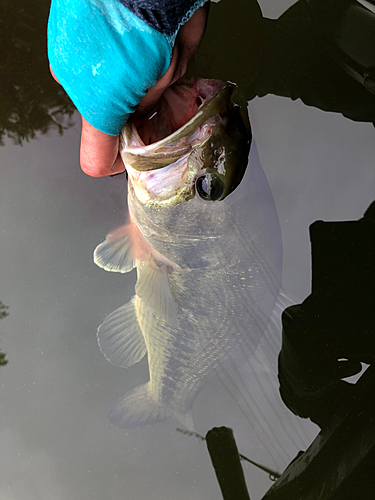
56	390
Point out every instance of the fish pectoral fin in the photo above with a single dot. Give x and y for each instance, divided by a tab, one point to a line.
120	337
154	289
137	409
114	253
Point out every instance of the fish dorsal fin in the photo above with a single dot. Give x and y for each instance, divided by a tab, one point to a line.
154	290
114	253
120	338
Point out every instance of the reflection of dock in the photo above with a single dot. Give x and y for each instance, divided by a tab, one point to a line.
335	321
339	464
324	340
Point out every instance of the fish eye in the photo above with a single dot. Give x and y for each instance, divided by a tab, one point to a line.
210	187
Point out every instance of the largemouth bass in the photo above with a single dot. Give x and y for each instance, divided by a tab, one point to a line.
203	235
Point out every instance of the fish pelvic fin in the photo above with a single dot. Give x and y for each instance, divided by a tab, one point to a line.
120	337
139	409
154	289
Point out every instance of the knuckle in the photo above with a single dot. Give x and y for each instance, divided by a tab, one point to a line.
93	170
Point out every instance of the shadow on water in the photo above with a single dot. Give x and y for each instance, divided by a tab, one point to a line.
31	101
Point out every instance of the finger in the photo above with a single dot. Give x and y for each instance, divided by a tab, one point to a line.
99	154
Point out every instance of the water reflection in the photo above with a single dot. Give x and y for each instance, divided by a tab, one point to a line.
31	102
62	418
327	340
300	55
335	322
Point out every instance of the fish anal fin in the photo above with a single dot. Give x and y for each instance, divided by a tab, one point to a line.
154	289
137	409
120	337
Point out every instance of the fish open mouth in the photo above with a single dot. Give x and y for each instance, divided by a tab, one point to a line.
196	129
178	104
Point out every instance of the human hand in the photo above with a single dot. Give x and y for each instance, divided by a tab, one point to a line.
99	154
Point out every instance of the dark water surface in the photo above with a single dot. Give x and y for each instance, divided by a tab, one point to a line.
56	441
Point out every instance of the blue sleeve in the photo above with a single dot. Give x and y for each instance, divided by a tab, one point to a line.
105	57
